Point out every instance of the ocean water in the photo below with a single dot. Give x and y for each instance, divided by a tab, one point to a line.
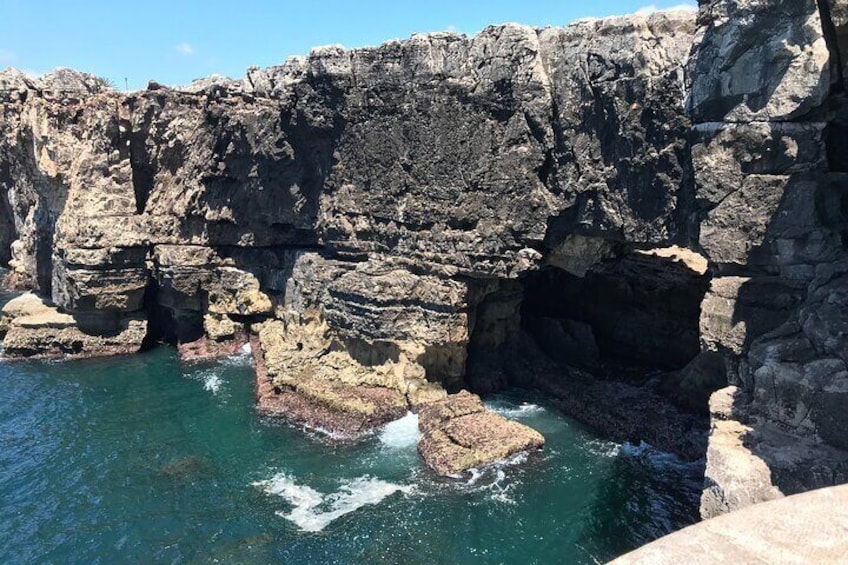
145	460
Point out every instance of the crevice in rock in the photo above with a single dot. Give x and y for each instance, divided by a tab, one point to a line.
837	43
159	321
546	169
8	230
43	197
143	169
836	143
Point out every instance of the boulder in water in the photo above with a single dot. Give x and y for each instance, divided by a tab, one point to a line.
460	434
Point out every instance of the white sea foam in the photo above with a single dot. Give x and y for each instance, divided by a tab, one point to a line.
521	411
243	357
313	511
495	480
603	448
209	378
655	457
401	433
212	382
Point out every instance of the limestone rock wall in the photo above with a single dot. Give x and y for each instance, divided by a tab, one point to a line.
767	100
416	173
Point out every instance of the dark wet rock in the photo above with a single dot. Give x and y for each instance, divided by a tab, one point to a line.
623	411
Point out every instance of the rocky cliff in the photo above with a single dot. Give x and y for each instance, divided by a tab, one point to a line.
566	208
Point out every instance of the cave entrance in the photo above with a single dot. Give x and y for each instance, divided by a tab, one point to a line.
619	346
639	311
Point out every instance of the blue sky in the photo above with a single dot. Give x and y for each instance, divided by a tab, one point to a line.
175	41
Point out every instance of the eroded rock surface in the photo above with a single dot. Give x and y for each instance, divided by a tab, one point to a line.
735	476
460	434
34	328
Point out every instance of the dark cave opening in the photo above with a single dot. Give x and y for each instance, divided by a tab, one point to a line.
619	347
639	311
166	321
836	144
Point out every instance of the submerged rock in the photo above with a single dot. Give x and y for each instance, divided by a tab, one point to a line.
186	469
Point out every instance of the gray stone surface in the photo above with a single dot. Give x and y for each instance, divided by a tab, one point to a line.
767	156
806	528
735	476
758	60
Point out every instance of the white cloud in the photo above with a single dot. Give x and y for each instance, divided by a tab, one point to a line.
651	8
7	57
186	49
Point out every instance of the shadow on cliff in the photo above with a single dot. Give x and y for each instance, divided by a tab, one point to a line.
805	237
274	182
612	347
45	200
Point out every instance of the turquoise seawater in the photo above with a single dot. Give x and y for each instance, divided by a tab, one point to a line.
145	460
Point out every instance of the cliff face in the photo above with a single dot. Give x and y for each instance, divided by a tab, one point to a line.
767	97
396	223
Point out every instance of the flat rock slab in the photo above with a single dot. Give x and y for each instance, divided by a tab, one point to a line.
34	328
805	528
299	409
460	434
343	411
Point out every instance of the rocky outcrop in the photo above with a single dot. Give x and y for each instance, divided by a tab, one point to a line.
736	476
361	211
758	61
629	213
34	328
460	434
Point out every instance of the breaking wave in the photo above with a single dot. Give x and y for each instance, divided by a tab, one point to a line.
603	448
243	357
212	382
209	378
401	433
511	411
312	511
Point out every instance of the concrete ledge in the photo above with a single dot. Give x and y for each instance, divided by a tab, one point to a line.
805	528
